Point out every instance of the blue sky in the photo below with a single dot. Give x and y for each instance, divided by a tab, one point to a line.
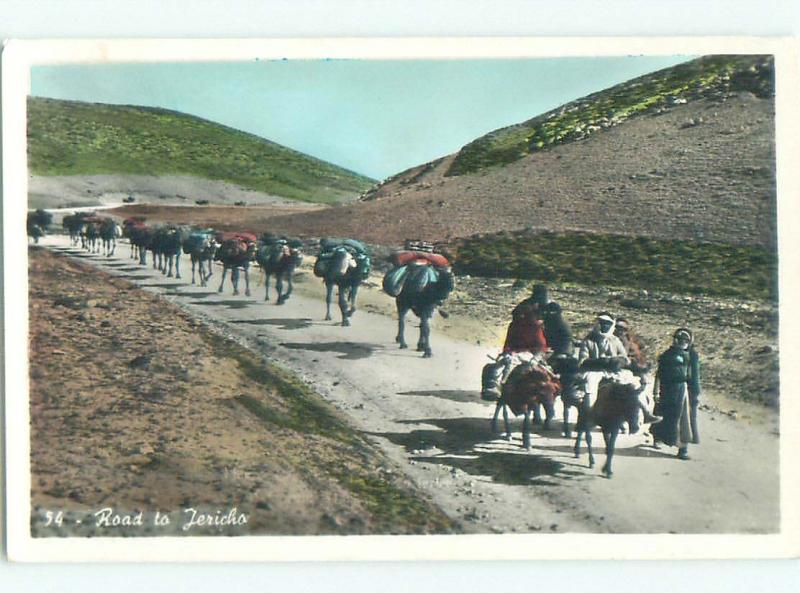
373	117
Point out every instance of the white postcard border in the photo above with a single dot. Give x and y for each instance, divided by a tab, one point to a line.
17	59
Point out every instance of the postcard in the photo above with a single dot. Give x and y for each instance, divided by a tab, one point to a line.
400	299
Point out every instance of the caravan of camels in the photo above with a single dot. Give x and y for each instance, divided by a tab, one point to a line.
604	376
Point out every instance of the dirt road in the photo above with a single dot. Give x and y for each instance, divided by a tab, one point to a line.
428	417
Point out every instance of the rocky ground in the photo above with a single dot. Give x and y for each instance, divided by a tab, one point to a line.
138	407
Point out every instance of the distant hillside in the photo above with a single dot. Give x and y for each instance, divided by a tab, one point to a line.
74	138
699	167
679	194
708	77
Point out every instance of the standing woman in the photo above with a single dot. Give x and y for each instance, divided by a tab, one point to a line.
678	377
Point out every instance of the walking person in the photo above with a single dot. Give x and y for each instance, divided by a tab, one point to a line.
677	387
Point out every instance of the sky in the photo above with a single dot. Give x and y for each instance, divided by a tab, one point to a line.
376	118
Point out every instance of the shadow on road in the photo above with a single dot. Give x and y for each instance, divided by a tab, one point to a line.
159	285
287	323
230	304
349	350
184	293
458	438
128	268
456	395
130	277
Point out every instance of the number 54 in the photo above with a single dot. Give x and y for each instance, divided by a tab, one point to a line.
57	518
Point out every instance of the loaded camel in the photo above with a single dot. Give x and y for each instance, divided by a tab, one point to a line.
344	264
279	257
420	282
235	252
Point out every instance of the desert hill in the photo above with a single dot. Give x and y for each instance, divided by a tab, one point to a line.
691	159
71	138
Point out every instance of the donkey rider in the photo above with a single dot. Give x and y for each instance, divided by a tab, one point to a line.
603	356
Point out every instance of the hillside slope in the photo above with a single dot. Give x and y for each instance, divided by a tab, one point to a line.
75	138
703	170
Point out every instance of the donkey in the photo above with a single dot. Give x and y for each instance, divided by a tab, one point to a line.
425	288
279	258
616	403
529	385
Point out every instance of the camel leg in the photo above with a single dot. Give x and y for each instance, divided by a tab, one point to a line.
328	299
266	285
343	306
224	271
496	414
279	288
168	264
537	414
353	294
194	264
425	334
210	269
113	247
567	431
549	413
235	279
401	327
178	264
289	284
526	427
246	281
588	433
610	437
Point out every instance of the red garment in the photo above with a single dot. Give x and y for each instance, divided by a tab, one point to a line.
525	333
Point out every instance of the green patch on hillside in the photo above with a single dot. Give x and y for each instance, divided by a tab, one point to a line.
613	260
74	138
707	77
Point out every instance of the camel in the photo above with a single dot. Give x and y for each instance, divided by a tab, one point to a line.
74	223
343	265
169	244
130	228
110	231
35	232
201	247
424	287
37	224
90	234
279	257
236	251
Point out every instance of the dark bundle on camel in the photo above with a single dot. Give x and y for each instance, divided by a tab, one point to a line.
529	385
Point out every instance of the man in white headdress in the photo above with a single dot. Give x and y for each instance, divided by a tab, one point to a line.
603	356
